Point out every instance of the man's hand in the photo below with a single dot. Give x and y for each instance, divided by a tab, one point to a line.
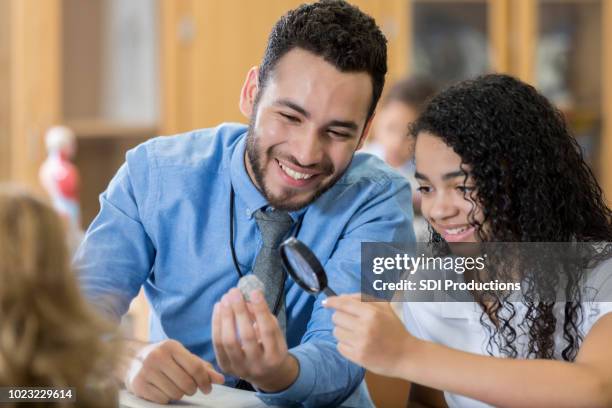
249	343
370	334
166	371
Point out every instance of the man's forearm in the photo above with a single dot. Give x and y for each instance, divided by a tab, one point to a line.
325	378
281	379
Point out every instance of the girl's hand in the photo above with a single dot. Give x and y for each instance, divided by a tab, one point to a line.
370	334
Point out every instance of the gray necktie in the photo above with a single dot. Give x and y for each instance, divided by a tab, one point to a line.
273	226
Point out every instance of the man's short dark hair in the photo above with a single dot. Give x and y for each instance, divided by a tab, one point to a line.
338	32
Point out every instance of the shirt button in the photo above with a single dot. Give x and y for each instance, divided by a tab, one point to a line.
248	212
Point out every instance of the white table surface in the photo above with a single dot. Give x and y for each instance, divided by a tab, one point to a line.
221	396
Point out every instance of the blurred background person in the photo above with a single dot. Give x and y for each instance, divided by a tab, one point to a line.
392	140
49	336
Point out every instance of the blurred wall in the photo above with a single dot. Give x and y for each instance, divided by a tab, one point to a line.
32	82
5	141
207	47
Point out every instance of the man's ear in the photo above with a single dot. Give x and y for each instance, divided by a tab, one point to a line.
366	131
249	92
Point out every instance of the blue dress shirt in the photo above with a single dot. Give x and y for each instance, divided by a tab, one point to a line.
164	224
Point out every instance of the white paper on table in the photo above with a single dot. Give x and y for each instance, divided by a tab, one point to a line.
221	396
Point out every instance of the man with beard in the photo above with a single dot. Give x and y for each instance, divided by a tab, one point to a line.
186	216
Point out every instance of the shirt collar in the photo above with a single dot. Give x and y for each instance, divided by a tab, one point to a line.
244	187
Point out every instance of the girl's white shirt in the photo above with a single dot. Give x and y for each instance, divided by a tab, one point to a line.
457	324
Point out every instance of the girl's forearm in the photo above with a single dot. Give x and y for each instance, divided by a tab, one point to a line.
507	382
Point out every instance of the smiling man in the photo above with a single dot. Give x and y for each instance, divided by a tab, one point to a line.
307	125
187	215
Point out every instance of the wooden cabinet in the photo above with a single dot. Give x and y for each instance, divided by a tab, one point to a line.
563	47
65	62
570	61
91	65
5	98
207	47
453	40
30	47
110	91
449	39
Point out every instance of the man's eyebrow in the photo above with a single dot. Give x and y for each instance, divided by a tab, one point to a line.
343	123
294	106
334	123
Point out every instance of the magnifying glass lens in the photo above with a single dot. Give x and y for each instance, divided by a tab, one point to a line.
302	269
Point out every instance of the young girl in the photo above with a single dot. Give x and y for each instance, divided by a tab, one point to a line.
49	337
495	163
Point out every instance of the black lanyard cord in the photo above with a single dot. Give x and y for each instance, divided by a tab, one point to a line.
277	303
231	214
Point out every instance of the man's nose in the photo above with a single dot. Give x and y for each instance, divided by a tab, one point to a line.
309	148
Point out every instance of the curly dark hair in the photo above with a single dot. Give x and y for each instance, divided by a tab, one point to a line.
338	32
532	185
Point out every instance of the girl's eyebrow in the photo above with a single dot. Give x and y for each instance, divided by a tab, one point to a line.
453	174
447	176
420	176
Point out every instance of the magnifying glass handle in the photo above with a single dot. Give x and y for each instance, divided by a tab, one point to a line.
329	292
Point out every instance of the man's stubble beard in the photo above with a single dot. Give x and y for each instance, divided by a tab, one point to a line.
254	156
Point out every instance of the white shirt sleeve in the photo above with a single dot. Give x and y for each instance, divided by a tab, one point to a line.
599	305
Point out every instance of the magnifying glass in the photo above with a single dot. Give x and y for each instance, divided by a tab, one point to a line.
304	267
